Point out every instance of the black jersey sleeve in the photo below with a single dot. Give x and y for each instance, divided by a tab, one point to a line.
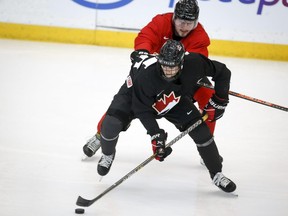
142	106
143	98
220	74
221	77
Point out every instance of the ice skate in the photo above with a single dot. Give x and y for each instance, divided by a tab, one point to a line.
105	164
92	146
224	183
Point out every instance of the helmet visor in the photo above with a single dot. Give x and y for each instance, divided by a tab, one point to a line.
170	72
188	24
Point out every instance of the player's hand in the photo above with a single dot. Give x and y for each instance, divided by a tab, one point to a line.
158	141
135	55
215	108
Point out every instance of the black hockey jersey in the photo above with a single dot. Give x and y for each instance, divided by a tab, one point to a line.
153	96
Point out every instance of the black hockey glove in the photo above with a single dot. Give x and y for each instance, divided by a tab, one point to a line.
158	141
135	55
215	108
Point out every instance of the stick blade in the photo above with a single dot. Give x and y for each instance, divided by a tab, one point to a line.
83	202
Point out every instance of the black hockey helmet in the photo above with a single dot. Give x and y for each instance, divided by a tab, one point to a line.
171	54
186	10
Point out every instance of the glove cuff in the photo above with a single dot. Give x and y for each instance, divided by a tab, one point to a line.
157	134
142	52
137	53
219	100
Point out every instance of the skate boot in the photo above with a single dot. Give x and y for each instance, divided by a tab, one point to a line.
105	164
224	183
92	145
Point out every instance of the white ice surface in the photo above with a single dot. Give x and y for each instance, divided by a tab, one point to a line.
51	98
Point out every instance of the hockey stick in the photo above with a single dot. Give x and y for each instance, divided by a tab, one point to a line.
85	202
248	98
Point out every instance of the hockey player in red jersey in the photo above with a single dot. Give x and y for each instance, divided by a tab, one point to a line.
161	87
182	25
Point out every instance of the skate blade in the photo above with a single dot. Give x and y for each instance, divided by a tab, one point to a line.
84	158
234	194
100	178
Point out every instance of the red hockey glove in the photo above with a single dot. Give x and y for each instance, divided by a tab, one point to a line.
215	108
135	55
158	141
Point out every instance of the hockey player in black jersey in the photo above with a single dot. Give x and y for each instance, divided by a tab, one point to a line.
161	87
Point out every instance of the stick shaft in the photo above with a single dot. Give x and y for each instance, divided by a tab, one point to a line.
248	98
85	203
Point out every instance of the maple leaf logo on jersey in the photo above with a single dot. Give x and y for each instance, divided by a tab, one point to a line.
163	105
